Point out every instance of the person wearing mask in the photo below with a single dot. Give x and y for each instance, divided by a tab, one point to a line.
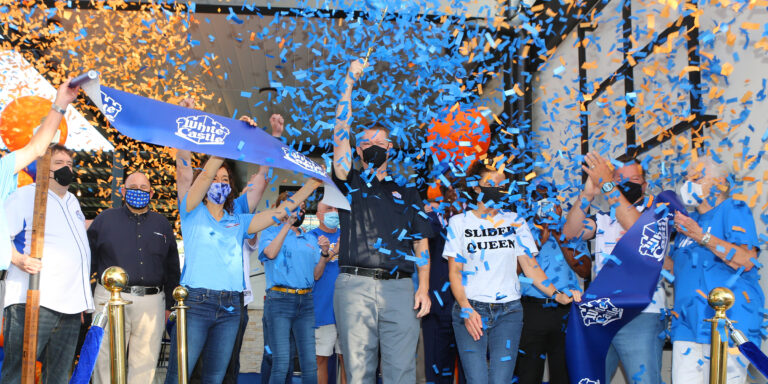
213	266
544	320
637	345
483	248
716	246
290	255
326	271
141	242
65	289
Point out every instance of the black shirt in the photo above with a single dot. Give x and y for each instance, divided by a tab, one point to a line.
143	245
384	219
438	271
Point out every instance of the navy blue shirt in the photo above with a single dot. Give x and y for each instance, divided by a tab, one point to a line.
143	245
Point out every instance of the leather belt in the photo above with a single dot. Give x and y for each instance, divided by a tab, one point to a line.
536	300
138	290
375	273
295	291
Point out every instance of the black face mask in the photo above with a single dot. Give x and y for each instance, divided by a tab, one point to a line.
631	191
64	176
299	219
496	194
375	155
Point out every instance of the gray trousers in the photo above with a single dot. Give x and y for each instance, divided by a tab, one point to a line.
375	316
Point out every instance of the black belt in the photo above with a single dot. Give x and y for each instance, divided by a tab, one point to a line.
536	300
375	273
138	290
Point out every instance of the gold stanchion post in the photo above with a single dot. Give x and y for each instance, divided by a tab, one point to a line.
720	299
180	293
115	280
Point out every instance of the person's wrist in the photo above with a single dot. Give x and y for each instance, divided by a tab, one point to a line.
704	239
57	108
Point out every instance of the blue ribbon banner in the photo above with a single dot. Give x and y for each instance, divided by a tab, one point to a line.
620	291
169	125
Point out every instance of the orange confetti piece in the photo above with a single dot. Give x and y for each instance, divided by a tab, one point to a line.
746	296
727	69
752	26
530	176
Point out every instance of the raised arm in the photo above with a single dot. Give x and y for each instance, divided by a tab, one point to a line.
258	182
577	224
266	218
601	170
733	255
42	138
342	151
203	182
184	171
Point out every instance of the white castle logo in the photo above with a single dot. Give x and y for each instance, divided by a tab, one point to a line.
654	239
302	161
599	311
201	130
588	381
110	107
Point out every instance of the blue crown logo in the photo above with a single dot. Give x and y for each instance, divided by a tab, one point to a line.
110	107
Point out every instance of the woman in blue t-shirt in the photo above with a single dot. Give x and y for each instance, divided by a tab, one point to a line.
289	255
213	265
716	247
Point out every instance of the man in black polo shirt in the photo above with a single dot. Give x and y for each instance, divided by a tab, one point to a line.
383	240
141	242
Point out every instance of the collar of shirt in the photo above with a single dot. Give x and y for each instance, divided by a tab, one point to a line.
135	216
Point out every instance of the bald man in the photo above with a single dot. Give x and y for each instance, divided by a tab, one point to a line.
143	243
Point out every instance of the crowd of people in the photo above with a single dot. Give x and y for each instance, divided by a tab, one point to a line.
486	282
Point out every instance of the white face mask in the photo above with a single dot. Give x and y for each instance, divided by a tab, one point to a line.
689	192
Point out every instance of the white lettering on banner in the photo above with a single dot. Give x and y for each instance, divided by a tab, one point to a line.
201	130
588	381
654	239
302	161
599	311
111	107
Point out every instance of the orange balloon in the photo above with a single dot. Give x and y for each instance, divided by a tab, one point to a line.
433	192
460	134
21	117
24	179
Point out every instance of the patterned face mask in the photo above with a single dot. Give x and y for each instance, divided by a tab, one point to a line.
218	192
136	198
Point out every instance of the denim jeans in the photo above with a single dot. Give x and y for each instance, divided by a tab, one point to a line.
502	325
56	336
266	359
212	316
291	314
639	348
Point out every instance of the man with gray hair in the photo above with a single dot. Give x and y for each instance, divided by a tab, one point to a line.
716	246
141	242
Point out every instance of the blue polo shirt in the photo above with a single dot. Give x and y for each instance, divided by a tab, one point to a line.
554	265
294	265
323	292
213	250
7	186
699	270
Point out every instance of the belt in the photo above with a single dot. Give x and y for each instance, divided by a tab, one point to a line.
536	300
296	291
375	273
138	290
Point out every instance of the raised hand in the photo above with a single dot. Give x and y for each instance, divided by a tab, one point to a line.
355	69
277	123
249	120
66	95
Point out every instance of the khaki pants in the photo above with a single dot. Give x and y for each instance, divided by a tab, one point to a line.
144	323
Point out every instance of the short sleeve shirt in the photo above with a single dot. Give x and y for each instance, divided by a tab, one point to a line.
213	250
697	271
324	287
489	250
384	220
294	265
7	185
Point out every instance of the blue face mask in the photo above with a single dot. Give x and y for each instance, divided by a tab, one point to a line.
136	198
331	220
218	192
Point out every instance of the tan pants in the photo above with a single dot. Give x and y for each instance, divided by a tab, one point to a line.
144	323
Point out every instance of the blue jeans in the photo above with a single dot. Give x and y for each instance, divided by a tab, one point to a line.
502	325
291	314
639	348
215	316
56	344
266	360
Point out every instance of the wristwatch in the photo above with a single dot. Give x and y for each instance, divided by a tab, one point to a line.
705	239
324	254
608	187
58	109
556	292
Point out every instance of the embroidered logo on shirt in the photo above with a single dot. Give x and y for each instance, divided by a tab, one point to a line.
160	234
80	215
397	195
654	240
599	311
